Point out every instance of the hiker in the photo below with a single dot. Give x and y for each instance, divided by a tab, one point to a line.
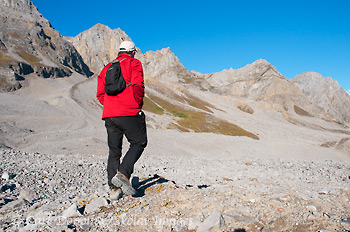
123	116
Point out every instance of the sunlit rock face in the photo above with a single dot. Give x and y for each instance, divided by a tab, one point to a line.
326	93
29	44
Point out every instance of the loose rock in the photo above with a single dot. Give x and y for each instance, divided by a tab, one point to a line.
27	195
5	176
95	205
214	222
72	211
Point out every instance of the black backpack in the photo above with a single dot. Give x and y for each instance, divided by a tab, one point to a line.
114	80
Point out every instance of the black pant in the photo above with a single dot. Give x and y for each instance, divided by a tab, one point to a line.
134	129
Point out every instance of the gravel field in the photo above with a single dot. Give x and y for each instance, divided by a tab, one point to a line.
46	192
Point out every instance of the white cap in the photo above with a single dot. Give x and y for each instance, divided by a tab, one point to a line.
127	46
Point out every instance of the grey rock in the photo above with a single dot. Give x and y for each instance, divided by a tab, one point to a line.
72	211
29	227
95	205
311	208
179	228
212	223
317	214
44	213
13	205
115	194
345	220
27	195
5	176
84	226
195	221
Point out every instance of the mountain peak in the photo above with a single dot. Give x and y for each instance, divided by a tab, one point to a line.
260	67
261	62
102	27
161	52
23	10
99	45
316	80
254	71
99	25
162	64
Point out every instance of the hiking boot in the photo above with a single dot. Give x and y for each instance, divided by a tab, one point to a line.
115	194
122	182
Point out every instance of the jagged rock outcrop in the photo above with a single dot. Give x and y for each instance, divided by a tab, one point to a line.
29	44
260	81
98	45
163	65
326	93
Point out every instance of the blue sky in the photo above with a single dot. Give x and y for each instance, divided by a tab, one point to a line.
209	36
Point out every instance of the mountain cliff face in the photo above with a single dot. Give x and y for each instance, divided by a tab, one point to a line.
98	45
260	81
164	66
29	44
326	93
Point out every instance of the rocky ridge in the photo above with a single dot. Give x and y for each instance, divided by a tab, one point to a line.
260	81
29	44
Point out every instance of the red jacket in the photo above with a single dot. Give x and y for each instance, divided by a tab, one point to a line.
130	101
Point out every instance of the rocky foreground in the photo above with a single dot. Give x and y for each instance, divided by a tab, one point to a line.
43	192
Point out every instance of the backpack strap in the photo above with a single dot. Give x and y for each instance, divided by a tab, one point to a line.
115	61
